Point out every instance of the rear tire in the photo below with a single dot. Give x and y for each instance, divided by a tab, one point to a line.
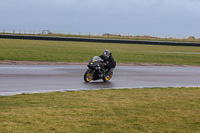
88	76
108	77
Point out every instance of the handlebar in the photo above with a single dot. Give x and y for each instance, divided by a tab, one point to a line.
103	64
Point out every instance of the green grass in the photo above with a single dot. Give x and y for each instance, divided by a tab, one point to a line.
125	111
55	51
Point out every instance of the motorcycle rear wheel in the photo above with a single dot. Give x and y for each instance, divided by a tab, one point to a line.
88	76
107	78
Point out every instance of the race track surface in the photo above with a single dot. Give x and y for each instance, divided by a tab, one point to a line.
17	79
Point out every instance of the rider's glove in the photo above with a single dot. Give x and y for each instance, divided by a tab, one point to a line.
104	64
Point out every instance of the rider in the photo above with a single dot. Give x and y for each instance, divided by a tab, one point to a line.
109	61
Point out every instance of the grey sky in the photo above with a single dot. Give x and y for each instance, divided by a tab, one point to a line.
166	18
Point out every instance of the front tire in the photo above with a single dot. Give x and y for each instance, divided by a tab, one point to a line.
88	76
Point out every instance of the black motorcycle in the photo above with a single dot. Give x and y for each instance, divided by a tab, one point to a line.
97	70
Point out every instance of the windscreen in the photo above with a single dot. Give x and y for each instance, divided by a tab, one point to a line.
95	61
97	58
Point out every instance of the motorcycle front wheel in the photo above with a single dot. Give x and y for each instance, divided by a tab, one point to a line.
88	76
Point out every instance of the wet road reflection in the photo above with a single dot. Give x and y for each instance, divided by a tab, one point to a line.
17	79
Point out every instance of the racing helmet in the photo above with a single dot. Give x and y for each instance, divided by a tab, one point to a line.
106	54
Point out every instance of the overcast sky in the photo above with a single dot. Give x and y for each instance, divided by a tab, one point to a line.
166	18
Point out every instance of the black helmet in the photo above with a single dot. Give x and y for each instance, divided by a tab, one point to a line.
106	54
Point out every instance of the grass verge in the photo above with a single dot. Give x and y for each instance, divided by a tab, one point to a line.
127	110
54	51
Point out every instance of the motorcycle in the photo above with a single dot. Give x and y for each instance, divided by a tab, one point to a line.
97	70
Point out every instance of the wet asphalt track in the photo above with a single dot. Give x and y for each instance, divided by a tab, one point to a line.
17	79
